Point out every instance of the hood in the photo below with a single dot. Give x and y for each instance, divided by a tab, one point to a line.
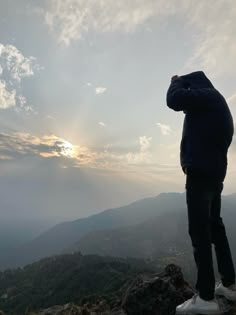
197	80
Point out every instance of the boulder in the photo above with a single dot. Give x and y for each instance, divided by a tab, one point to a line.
157	294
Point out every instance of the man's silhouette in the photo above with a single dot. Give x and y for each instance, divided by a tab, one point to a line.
207	134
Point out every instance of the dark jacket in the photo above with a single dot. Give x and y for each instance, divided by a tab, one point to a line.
208	125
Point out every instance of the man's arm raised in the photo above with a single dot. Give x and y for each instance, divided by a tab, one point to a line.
181	98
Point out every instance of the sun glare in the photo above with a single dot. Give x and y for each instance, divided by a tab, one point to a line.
68	149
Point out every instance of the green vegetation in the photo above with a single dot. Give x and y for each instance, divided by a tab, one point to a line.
67	278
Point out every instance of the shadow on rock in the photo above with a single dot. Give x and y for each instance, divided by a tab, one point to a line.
158	294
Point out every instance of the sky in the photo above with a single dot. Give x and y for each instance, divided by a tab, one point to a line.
84	124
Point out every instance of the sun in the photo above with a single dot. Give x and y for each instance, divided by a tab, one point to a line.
68	150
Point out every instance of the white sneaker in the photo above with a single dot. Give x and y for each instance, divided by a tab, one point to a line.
228	292
196	305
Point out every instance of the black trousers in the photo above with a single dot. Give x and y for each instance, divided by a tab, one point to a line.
206	227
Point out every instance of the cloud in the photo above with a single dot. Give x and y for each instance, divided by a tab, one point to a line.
145	143
212	24
143	156
49	117
100	90
14	66
165	129
19	145
71	19
7	98
13	61
102	124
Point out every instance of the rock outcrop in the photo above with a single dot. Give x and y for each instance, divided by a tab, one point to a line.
157	295
160	294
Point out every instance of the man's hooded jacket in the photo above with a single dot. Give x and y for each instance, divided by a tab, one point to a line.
208	125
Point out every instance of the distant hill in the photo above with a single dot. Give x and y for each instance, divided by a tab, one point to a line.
148	228
158	236
14	233
64	235
67	278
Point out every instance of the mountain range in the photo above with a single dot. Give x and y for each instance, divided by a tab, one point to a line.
147	228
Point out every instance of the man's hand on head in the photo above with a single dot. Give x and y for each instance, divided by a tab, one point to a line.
174	78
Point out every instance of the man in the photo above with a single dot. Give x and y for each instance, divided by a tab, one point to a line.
207	134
